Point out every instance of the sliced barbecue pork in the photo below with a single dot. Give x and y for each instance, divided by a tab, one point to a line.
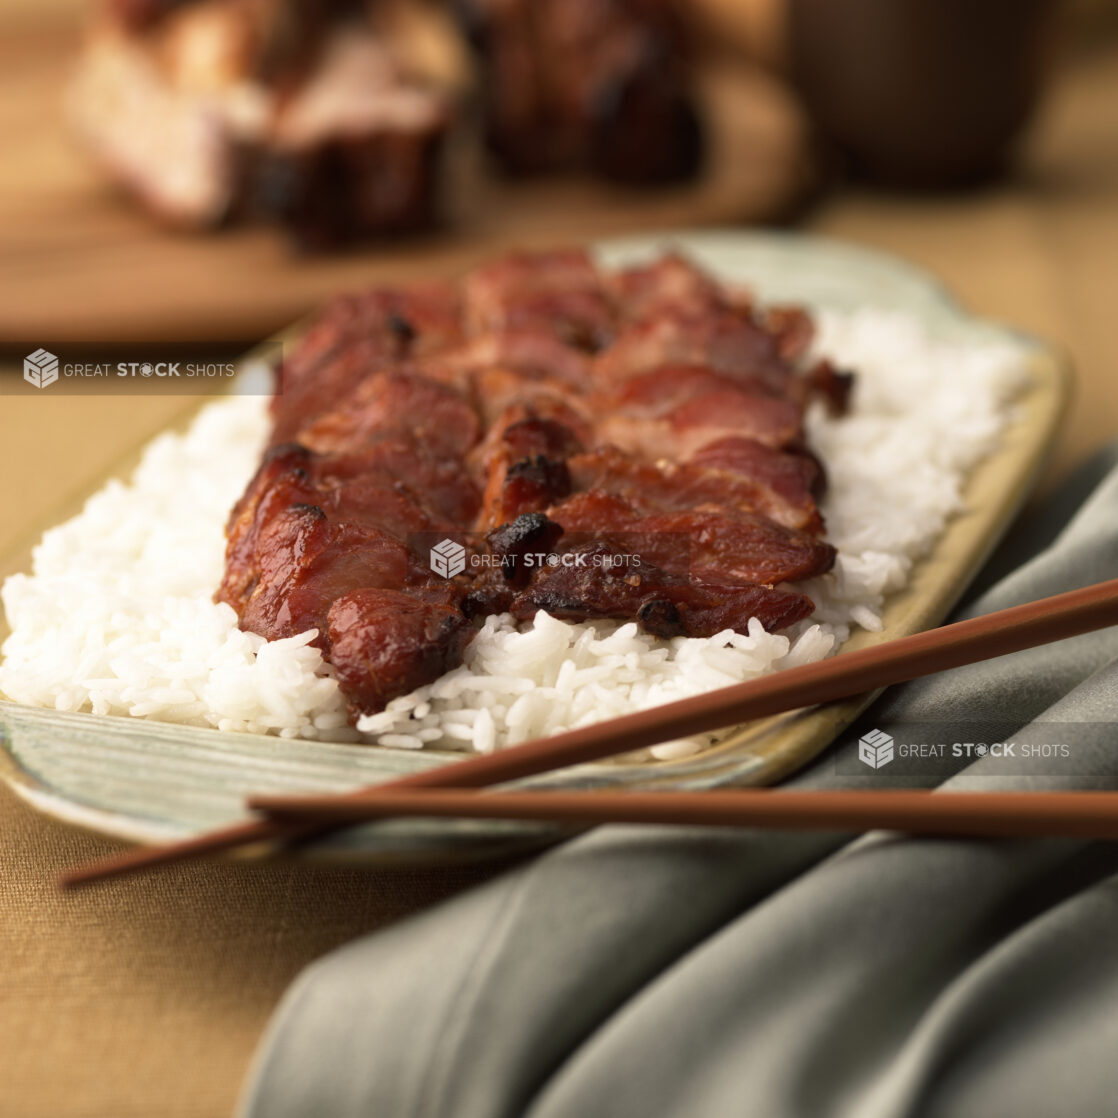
625	446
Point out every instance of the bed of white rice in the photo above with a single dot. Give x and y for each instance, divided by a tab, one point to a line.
117	616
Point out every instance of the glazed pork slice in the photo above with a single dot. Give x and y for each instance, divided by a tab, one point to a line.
671	312
526	467
557	293
353	336
396	459
287	560
674	410
721	340
399	492
664	389
311	528
304	562
671	283
737	473
787	483
523	354
599	582
385	643
725	544
399	400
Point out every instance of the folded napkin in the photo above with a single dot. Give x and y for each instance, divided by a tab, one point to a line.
669	973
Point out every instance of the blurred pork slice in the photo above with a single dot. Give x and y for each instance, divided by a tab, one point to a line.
211	110
590	84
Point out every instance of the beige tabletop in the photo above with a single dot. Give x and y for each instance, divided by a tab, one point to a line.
146	997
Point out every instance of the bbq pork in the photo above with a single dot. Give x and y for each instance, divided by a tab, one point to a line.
332	116
598	84
626	446
210	111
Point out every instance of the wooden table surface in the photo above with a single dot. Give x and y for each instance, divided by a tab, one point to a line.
146	997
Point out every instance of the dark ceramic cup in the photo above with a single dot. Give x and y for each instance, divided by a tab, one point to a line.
922	93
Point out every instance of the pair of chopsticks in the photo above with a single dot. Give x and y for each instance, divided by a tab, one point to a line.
1079	814
439	791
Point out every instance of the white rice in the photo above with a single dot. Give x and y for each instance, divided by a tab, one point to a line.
117	616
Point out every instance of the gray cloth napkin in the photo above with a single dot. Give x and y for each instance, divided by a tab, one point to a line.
660	973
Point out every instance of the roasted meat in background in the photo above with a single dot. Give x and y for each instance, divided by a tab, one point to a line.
625	445
332	116
599	84
308	113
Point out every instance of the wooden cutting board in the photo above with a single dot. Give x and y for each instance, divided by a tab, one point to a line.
79	263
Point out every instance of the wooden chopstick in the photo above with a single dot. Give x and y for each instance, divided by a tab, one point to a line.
1079	814
851	673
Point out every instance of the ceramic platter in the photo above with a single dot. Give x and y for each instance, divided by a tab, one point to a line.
150	782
